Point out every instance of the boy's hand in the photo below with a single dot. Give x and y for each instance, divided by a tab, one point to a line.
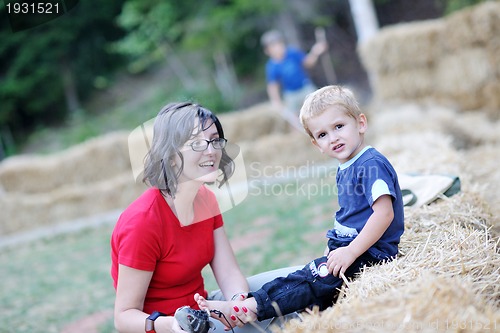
339	260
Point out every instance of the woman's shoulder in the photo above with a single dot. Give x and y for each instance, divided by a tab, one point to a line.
146	206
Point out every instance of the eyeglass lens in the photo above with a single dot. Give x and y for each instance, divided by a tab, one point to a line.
201	145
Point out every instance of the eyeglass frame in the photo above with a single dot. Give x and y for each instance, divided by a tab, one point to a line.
222	141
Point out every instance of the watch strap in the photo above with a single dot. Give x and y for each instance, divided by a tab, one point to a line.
150	321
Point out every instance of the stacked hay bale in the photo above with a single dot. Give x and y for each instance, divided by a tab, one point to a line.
454	61
104	173
85	180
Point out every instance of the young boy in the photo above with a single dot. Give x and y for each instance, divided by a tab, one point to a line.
367	226
287	80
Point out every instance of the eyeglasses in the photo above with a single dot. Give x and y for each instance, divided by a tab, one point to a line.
202	145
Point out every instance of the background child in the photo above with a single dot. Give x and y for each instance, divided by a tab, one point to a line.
367	226
287	80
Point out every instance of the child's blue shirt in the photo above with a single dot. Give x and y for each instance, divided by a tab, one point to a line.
289	72
361	181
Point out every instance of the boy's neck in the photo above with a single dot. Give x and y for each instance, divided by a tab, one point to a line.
347	164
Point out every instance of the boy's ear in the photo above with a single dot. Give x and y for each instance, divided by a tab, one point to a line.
362	123
317	145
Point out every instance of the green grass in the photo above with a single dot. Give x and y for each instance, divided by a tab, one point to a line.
50	283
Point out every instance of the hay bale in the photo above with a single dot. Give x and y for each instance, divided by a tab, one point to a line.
390	51
463	73
288	149
252	123
94	160
491	96
471	27
454	60
401	118
448	274
21	211
409	84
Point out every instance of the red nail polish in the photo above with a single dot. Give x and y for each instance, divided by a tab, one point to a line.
242	296
244	309
233	318
236	308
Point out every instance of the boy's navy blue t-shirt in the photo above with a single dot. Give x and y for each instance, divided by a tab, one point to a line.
289	72
360	182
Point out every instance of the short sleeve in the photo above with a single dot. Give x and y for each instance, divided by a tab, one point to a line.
377	180
379	189
137	242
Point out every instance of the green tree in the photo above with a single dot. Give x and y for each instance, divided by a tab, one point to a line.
191	32
46	70
454	5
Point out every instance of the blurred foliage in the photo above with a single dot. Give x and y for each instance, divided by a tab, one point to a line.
211	47
32	63
454	5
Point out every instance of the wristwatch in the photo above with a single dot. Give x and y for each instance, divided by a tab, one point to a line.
150	321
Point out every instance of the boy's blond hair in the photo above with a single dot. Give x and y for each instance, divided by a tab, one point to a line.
328	97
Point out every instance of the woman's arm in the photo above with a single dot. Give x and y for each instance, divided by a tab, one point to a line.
130	293
226	270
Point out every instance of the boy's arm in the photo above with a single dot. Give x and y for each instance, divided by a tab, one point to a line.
316	51
273	91
383	214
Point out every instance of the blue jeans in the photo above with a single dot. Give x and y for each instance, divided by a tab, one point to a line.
307	287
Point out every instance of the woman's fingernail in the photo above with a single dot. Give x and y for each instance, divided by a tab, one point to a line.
242	296
233	318
244	309
236	308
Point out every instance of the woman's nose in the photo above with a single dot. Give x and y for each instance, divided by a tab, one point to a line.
210	149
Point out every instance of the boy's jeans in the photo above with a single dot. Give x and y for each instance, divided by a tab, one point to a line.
307	287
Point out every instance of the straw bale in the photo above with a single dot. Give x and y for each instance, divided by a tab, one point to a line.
400	118
426	304
93	160
486	21
412	83
252	123
448	273
292	148
22	211
491	96
391	50
484	170
471	27
462	73
471	129
453	60
426	152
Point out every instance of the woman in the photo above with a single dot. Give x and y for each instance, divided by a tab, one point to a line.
163	240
